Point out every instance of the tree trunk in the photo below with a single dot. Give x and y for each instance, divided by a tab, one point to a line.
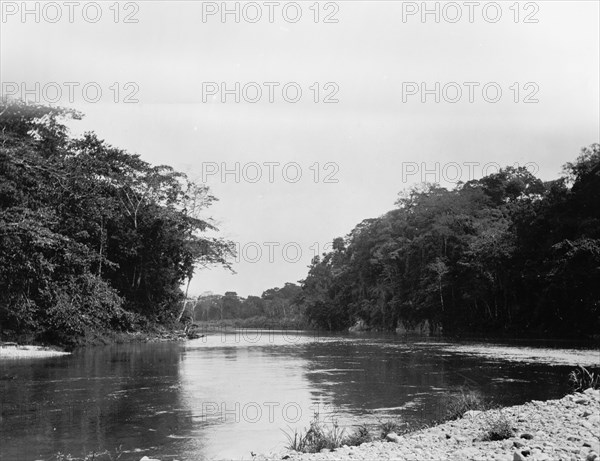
185	300
441	293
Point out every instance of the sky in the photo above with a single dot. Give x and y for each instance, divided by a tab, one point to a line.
379	96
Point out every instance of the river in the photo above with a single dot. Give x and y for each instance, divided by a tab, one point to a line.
227	395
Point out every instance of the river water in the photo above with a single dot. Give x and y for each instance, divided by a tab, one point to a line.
228	395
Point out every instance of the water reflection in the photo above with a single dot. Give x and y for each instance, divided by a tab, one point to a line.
242	393
227	395
97	399
371	379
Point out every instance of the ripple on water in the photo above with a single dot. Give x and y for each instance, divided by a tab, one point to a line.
549	356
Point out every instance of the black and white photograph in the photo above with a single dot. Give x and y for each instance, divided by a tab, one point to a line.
311	230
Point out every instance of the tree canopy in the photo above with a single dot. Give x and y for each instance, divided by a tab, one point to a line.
91	237
505	254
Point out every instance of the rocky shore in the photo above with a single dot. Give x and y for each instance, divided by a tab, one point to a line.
567	429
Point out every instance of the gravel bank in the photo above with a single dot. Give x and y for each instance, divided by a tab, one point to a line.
567	429
15	351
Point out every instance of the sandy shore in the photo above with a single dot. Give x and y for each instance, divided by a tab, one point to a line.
16	351
567	429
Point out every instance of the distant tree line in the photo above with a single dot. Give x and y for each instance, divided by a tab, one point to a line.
276	306
92	238
505	254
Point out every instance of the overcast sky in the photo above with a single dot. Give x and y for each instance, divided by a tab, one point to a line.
354	155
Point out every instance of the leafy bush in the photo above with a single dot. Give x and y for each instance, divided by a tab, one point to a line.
81	306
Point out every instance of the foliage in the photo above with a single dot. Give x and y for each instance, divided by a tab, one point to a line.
91	237
581	379
505	254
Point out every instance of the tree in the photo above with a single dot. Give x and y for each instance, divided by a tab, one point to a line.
507	252
91	237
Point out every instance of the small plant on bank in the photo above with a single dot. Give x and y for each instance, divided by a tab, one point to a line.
296	440
317	437
497	427
458	403
581	379
390	425
321	436
360	436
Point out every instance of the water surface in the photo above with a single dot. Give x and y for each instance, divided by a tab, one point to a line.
227	395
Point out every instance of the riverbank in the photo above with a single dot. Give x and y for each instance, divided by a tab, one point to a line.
13	350
153	334
565	429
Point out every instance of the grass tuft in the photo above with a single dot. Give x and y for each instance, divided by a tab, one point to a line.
361	435
320	435
317	437
581	379
391	425
458	403
498	427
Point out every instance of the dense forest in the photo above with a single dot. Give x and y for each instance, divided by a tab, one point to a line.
92	238
506	254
